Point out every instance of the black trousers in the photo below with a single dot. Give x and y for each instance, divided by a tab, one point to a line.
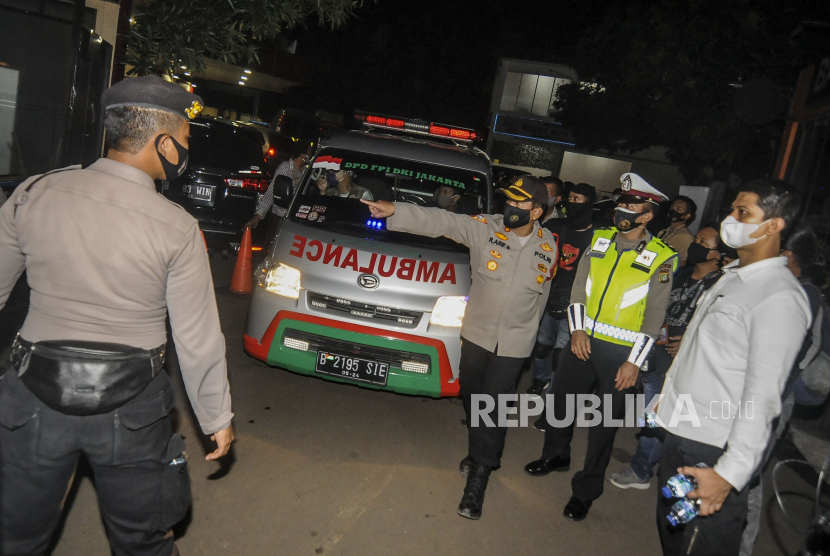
716	535
574	376
140	494
484	372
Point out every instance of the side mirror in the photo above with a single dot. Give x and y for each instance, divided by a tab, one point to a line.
282	190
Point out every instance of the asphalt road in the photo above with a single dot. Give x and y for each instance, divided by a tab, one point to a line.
324	468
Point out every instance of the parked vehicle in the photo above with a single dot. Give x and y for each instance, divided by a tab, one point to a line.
341	297
225	175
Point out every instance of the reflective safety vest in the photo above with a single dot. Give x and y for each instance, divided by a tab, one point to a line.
618	283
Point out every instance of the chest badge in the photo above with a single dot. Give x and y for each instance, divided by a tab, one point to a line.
501	236
492	265
480	218
540	278
542	268
601	245
646	258
495	254
546	247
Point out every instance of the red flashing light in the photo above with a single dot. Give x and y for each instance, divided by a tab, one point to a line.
439	130
394	123
376	120
256	248
460	133
272	151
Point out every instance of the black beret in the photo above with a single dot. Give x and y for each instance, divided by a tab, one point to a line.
586	190
151	91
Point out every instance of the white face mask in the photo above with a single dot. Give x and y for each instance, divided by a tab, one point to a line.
736	234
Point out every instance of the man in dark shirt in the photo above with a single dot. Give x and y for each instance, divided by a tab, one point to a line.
573	235
703	270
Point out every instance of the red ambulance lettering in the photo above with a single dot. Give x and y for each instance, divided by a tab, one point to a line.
350	260
316	245
371	268
406	269
426	271
298	245
448	275
333	254
391	271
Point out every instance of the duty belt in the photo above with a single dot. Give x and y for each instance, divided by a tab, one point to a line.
85	378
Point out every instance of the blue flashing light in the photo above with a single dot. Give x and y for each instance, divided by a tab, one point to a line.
375	224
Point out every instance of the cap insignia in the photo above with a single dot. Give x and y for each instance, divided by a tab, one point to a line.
194	109
626	183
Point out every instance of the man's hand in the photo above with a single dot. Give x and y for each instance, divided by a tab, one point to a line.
223	441
380	209
712	489
252	223
626	376
673	345
581	344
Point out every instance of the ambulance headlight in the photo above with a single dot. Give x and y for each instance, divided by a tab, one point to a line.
449	311
279	278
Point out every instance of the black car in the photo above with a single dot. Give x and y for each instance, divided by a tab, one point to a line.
225	175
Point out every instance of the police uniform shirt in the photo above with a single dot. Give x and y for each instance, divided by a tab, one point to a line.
510	281
107	258
659	287
678	239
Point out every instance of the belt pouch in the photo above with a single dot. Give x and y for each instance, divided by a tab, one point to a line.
86	378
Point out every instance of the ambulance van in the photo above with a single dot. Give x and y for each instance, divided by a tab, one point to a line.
341	297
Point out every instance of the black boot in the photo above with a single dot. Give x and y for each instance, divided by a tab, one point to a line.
466	464
473	499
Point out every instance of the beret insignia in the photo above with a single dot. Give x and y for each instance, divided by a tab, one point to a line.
194	110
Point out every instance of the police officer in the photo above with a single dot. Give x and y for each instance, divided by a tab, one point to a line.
512	259
618	304
107	259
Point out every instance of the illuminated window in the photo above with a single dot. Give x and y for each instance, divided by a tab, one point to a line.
530	94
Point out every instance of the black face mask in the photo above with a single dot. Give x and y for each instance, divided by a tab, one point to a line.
515	217
697	253
579	214
626	220
676	216
172	171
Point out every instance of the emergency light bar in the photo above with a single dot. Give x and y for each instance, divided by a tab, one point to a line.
417	126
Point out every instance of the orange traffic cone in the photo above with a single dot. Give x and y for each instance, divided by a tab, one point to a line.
242	281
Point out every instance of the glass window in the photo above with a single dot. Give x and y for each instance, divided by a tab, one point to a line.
529	93
224	147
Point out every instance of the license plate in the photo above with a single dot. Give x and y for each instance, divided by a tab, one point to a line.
351	368
201	192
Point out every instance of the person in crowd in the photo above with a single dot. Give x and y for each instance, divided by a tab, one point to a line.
556	190
513	260
682	213
605	209
293	168
87	374
448	198
807	263
341	184
618	304
573	235
738	349
703	270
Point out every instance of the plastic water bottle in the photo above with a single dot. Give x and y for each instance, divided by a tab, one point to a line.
683	511
680	485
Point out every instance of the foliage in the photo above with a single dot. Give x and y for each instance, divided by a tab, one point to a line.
669	70
168	34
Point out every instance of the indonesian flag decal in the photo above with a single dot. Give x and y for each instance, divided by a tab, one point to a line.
327	162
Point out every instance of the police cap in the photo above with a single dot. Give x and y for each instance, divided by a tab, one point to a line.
637	190
151	91
526	188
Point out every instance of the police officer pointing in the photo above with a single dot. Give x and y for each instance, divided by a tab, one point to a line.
107	259
513	260
618	303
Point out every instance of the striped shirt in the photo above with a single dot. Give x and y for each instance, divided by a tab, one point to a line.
266	201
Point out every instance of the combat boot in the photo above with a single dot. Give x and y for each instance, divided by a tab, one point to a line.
473	499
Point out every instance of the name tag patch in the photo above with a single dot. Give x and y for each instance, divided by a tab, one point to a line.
646	258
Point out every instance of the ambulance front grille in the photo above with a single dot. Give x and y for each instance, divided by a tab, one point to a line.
388	315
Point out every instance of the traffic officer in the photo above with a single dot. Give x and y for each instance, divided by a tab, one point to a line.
618	304
513	260
107	259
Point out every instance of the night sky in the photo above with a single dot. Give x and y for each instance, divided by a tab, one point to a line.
432	59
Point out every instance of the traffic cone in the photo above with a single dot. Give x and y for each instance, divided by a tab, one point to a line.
242	281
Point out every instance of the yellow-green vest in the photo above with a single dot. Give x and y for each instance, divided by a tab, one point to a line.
617	286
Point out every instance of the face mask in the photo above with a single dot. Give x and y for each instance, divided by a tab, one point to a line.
626	220
515	217
736	234
172	171
697	254
675	216
331	179
579	214
444	201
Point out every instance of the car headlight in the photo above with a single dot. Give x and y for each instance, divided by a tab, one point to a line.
449	310
279	278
